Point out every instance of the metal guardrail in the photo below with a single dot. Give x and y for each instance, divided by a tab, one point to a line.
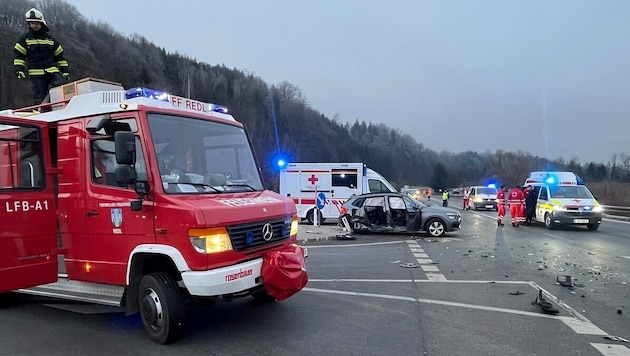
617	211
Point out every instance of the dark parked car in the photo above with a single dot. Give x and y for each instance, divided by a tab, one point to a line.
394	213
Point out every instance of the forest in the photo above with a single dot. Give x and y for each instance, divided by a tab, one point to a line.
278	116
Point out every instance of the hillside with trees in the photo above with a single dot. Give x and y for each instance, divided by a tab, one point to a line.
98	50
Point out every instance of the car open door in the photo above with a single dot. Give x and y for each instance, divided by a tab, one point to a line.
27	205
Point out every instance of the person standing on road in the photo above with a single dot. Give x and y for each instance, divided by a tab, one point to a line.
531	197
42	54
444	198
466	198
500	205
517	203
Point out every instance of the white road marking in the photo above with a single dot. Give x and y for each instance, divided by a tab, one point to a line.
414	250
435	302
583	327
357	245
611	350
424	261
436	277
628	257
428	268
420	255
412	242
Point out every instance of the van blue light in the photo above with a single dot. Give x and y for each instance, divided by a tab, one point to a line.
492	185
550	180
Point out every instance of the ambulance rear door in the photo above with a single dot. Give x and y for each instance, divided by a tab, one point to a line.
28	227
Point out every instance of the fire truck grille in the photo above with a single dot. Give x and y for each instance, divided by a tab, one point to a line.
258	234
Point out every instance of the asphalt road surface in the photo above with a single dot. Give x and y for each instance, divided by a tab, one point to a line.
469	293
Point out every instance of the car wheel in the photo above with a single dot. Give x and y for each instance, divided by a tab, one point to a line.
592	227
549	225
435	227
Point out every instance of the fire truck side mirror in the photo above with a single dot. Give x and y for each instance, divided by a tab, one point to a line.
125	146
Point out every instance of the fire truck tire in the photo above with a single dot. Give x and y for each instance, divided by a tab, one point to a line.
161	308
310	217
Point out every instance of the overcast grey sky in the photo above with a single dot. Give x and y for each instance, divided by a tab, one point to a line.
546	77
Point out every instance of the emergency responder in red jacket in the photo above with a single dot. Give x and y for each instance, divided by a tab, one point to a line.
516	199
501	205
42	54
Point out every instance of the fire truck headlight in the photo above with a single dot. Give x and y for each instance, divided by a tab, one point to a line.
294	226
212	240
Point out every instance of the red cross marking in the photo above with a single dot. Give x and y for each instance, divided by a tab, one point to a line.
313	179
576	200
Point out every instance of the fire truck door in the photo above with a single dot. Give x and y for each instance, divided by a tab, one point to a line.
28	227
114	229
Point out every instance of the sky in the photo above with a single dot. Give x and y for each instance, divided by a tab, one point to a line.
546	77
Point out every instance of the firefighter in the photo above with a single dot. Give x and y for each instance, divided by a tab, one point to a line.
500	205
517	203
43	56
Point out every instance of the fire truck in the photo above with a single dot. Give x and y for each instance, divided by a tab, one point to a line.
139	199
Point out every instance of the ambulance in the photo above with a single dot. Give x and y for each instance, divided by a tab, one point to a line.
331	183
139	199
563	200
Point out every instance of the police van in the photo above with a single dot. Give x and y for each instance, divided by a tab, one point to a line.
563	200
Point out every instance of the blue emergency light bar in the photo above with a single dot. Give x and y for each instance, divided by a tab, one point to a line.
146	93
163	96
492	185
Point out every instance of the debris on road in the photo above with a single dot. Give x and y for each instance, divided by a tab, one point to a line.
546	306
568	282
345	237
615	338
409	265
516	293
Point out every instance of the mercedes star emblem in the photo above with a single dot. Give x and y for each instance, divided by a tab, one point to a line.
267	232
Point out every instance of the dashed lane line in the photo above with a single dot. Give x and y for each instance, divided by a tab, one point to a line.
611	350
425	262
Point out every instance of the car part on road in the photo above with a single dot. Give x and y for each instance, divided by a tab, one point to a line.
409	265
546	306
516	293
568	282
615	338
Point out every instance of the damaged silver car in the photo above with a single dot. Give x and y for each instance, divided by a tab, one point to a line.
397	213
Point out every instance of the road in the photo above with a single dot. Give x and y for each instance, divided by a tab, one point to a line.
389	295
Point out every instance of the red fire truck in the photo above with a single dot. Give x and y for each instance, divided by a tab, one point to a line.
140	199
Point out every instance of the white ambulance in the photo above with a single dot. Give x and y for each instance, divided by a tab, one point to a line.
563	200
330	183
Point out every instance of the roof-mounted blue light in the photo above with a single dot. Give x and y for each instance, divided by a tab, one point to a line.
550	180
146	93
220	109
492	185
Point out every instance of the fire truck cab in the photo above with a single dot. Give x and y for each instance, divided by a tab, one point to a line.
136	198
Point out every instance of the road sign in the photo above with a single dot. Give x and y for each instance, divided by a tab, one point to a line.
321	200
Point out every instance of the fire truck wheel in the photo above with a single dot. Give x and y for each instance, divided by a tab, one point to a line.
310	217
161	307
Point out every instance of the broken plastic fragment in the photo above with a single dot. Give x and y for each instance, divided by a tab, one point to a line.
516	293
409	265
615	338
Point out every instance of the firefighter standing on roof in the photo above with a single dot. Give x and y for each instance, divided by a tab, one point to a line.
500	205
43	56
517	204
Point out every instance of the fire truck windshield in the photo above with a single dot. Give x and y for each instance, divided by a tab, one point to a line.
201	156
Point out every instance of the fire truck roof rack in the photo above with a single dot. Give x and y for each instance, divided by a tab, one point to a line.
90	96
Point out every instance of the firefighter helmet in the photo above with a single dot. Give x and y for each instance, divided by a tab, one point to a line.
34	15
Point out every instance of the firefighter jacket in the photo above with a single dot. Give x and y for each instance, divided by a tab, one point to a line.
41	52
516	197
